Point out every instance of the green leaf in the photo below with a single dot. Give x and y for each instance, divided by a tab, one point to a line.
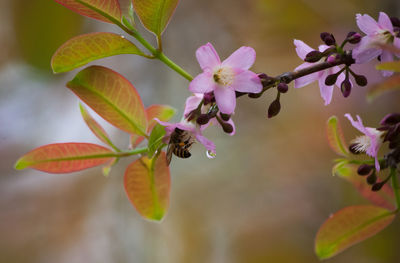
105	10
390	84
335	136
155	14
112	96
350	226
162	112
147	183
390	66
155	139
83	49
383	198
65	157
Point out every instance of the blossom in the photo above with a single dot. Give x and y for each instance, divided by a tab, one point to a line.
193	102
302	49
224	78
377	34
370	142
190	127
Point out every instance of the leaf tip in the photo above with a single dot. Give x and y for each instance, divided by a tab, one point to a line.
21	164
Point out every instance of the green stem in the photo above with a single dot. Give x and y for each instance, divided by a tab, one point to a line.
396	187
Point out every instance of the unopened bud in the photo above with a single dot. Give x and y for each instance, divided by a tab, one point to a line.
227	127
254	95
331	79
313	56
203	119
283	87
225	117
328	38
346	88
208	98
361	80
265	79
390	119
364	169
274	108
395	21
353	37
376	187
371	179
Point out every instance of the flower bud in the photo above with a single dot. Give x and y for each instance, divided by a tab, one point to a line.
313	56
202	119
364	169
225	117
346	88
208	98
390	119
353	37
361	80
371	179
376	187
395	21
331	79
274	108
283	87
328	38
254	95
227	127
265	79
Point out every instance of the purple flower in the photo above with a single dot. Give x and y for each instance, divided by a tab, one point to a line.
326	91
370	142
377	34
224	78
193	129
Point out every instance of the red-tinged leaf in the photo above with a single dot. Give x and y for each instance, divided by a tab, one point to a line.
105	10
162	112
147	184
390	84
335	136
96	128
383	198
155	14
390	66
135	140
350	226
112	96
65	157
83	49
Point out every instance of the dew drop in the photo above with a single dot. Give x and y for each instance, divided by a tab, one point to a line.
211	155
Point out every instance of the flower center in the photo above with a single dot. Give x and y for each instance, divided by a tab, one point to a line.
224	76
363	143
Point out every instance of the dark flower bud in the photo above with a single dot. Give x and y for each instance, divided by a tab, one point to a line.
208	98
254	95
353	37
364	169
331	79
203	119
379	58
313	56
376	187
283	87
353	148
393	145
328	38
390	119
225	117
227	127
395	21
274	108
393	133
346	88
265	79
371	179
361	80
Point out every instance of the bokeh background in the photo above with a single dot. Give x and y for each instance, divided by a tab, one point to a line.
261	200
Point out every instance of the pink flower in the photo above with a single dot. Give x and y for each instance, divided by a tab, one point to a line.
377	34
326	91
193	102
224	78
370	142
190	127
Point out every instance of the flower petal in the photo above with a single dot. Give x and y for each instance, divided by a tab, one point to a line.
207	57
304	81
192	103
322	48
225	97
326	91
367	24
169	127
210	146
302	49
384	22
364	51
357	124
203	83
396	43
386	57
247	81
242	58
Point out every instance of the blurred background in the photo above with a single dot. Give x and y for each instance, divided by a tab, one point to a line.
261	200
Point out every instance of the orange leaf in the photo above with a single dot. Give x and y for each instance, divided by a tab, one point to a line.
147	184
65	157
162	112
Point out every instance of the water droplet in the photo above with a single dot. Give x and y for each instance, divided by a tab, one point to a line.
211	155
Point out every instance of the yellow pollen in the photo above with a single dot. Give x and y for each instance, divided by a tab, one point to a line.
224	76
